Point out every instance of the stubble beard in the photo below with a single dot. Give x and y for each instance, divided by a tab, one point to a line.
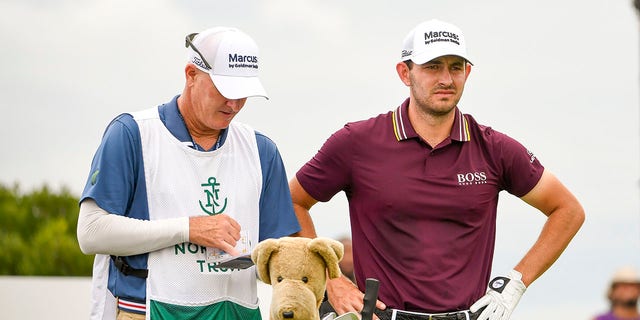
435	109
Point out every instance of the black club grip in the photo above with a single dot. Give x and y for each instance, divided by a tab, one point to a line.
370	297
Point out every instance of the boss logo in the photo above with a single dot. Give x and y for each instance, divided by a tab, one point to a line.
472	178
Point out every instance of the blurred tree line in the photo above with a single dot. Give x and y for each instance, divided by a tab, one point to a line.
38	234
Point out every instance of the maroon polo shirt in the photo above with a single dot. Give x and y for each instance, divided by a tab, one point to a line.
423	219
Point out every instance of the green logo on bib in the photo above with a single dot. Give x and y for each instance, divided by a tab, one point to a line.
213	205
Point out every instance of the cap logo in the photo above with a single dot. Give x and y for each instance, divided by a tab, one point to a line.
241	61
406	53
441	36
198	62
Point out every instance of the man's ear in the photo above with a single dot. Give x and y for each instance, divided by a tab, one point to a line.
403	73
467	67
190	72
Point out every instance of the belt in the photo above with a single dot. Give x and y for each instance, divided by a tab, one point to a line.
395	314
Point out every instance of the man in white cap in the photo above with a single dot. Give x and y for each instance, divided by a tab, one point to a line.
178	190
422	183
623	294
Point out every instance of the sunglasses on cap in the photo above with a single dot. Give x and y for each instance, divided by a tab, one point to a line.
189	43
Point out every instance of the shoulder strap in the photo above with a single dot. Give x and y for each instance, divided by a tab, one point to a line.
126	269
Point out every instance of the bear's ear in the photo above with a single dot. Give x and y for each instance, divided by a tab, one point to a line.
331	251
261	255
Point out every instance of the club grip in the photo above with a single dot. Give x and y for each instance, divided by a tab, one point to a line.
370	297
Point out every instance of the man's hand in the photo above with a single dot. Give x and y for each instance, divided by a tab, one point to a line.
345	296
502	297
218	231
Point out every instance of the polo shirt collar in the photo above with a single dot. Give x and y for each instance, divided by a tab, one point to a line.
403	129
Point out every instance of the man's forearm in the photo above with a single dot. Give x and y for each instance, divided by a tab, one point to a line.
560	228
307	228
105	233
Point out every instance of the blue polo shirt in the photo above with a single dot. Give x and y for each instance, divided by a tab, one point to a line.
423	218
117	184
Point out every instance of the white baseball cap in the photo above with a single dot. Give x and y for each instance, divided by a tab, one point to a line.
626	274
231	58
432	39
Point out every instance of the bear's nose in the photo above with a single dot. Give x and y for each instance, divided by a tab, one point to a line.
287	314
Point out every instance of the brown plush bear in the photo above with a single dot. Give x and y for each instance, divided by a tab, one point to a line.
296	268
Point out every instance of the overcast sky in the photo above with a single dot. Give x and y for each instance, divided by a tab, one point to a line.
559	76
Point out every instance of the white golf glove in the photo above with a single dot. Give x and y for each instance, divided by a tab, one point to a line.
502	297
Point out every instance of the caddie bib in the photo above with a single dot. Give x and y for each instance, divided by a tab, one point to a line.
183	281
